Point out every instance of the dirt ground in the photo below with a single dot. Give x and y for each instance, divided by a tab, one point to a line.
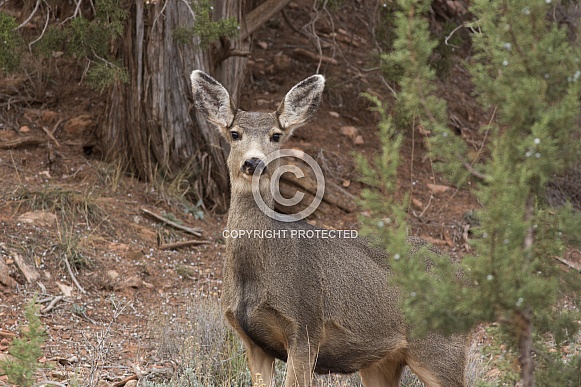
125	279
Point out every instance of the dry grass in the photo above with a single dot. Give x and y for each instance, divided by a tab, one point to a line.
208	353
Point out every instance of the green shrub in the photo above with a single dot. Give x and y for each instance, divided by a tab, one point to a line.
25	350
10	43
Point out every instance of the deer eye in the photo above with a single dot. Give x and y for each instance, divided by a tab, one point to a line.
235	135
276	137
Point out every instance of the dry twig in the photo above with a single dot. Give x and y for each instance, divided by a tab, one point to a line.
177	245
571	264
68	265
52	304
193	231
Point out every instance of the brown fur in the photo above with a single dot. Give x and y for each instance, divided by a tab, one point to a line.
322	305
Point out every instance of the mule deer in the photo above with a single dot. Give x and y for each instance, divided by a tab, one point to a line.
321	305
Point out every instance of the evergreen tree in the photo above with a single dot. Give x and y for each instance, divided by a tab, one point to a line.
25	351
528	71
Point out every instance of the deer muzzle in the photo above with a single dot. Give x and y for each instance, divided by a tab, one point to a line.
250	165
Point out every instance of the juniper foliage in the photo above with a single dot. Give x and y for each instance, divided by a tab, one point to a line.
25	351
205	29
527	69
10	44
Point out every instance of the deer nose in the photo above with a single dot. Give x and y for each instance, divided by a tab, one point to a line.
250	165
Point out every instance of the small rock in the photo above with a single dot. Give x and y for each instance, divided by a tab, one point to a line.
112	274
423	131
434	241
40	218
436	188
262	44
359	140
417	203
65	289
349	131
131	383
104	383
78	125
132	282
282	62
60	375
334	114
148	285
48	117
25	129
346	183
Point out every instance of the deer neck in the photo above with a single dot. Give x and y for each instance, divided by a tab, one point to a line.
245	211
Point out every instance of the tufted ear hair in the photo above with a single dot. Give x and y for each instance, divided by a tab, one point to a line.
301	102
212	99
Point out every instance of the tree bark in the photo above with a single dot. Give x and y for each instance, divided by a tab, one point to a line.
527	366
150	120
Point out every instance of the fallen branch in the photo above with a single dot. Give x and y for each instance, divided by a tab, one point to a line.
50	133
52	304
20	142
571	264
7	334
177	245
193	231
123	382
475	173
317	57
260	15
343	39
68	265
288	190
48	383
333	194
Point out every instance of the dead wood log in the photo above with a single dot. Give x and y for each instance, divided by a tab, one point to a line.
334	194
123	382
571	264
317	57
288	190
20	143
343	39
260	15
193	231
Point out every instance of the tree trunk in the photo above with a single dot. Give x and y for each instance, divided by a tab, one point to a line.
150	120
527	366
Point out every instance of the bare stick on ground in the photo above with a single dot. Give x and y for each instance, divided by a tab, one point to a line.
20	143
73	276
177	245
193	231
52	304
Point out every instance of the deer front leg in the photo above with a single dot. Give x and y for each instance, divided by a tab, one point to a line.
261	365
300	367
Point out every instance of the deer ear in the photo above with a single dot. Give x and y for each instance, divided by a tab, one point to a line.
301	102
212	99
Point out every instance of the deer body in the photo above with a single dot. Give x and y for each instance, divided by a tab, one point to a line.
322	305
